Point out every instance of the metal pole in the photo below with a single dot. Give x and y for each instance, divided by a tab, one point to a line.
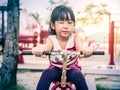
109	15
2	9
111	43
2	30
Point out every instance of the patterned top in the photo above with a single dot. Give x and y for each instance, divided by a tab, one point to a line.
57	60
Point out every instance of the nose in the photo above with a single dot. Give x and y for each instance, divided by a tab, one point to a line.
66	25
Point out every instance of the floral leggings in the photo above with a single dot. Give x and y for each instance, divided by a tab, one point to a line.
54	74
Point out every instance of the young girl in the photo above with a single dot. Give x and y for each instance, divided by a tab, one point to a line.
62	37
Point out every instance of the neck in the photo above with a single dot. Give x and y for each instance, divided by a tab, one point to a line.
62	38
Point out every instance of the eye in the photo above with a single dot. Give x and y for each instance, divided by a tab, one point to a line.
60	22
70	22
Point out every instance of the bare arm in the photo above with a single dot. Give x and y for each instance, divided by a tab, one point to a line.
79	43
38	50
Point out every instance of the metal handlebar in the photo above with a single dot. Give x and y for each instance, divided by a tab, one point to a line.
28	52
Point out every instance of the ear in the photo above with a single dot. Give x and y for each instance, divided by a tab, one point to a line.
52	25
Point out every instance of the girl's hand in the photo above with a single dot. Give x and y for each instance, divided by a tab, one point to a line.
87	51
93	45
38	51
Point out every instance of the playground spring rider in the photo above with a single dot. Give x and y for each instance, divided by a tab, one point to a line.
63	85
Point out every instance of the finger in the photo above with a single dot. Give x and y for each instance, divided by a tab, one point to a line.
37	54
81	56
43	56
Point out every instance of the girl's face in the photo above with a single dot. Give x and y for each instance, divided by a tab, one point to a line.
64	28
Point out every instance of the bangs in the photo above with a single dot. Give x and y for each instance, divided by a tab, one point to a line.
64	16
62	13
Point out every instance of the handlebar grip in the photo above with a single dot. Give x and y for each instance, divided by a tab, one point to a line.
27	52
98	53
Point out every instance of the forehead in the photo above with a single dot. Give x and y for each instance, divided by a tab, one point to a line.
64	16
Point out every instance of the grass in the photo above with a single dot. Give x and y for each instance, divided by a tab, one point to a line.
15	87
99	87
18	86
107	82
22	71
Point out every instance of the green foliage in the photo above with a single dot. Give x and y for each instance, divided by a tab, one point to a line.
16	87
101	79
99	87
92	14
1	52
107	82
22	71
36	16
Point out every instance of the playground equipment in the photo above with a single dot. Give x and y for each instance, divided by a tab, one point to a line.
114	26
43	35
63	85
24	44
116	29
3	9
26	40
113	40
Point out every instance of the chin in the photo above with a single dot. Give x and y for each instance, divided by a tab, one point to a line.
65	36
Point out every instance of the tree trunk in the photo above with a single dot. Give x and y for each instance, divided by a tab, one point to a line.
10	57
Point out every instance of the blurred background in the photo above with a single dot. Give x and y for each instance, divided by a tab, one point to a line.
93	18
97	20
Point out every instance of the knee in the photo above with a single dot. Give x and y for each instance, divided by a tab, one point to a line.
47	71
77	74
50	72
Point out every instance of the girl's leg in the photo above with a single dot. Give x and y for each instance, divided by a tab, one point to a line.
75	76
49	75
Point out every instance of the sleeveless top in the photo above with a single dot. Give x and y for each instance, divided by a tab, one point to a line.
57	60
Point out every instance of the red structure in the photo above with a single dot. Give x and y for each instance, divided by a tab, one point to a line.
109	15
26	40
111	43
24	44
43	35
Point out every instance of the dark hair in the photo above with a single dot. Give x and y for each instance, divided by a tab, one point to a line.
61	13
